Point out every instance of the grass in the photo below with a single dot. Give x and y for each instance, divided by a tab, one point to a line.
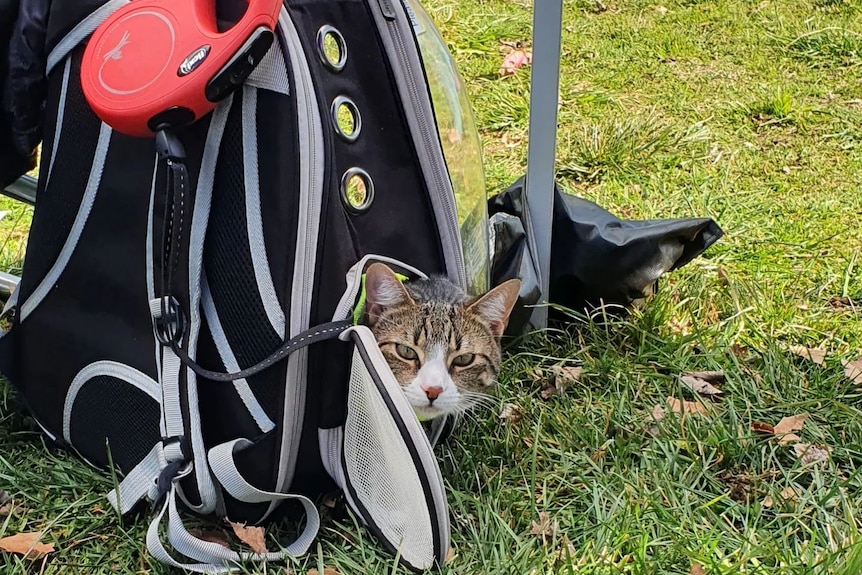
744	111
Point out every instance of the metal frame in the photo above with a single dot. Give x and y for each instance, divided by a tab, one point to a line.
541	155
542	151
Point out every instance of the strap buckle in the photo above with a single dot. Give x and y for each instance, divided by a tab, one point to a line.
168	326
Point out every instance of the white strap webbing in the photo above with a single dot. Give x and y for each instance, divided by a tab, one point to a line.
169	380
212	557
221	460
139	482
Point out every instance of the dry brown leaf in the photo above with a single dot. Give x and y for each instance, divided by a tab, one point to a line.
515	60
809	454
549	391
682	406
450	555
739	350
27	545
212	536
853	370
815	354
326	571
566	375
511	413
760	427
251	536
658	413
544	526
790	423
789	438
787	494
696	569
701	382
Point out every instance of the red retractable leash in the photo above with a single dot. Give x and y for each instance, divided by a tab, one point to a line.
156	63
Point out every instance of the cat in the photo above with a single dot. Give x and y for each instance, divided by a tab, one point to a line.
442	346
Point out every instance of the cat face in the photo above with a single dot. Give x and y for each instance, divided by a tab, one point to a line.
442	347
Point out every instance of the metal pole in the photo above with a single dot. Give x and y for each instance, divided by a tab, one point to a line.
541	155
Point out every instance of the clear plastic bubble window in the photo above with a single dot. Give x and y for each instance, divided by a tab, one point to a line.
461	145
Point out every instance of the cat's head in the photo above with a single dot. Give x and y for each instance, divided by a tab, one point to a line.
442	347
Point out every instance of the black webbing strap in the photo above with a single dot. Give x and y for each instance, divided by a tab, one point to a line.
171	326
313	335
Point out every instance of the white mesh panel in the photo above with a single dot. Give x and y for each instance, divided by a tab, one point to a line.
381	472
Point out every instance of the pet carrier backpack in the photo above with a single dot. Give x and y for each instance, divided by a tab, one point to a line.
185	309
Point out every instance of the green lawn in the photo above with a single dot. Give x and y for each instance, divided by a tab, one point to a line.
748	112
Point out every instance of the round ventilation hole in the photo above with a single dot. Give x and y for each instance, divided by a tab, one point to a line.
345	118
331	48
357	190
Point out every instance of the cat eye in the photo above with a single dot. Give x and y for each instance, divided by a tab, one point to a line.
406	352
464	359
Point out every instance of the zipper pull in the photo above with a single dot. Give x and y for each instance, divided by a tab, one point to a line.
387	9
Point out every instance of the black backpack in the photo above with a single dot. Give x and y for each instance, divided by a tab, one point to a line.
146	281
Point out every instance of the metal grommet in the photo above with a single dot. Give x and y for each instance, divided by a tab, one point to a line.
345	118
325	38
357	190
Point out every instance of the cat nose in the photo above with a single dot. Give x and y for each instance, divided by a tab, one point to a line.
432	392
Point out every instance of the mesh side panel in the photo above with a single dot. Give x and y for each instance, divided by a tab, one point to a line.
381	472
110	410
227	256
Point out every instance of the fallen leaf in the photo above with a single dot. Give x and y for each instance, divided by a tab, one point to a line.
515	60
661	10
761	427
701	382
787	494
26	544
251	536
658	413
566	375
682	406
696	569
326	571
809	454
511	413
212	536
739	350
549	391
790	423
544	526
789	438
814	354
600	454
450	554
853	370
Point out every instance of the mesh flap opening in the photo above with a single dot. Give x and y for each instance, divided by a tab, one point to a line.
381	477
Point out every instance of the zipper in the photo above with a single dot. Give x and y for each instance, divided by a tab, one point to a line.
311	188
442	193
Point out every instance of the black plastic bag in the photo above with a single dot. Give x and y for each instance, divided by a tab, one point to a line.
596	258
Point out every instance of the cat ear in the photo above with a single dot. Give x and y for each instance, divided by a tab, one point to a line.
383	289
495	306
